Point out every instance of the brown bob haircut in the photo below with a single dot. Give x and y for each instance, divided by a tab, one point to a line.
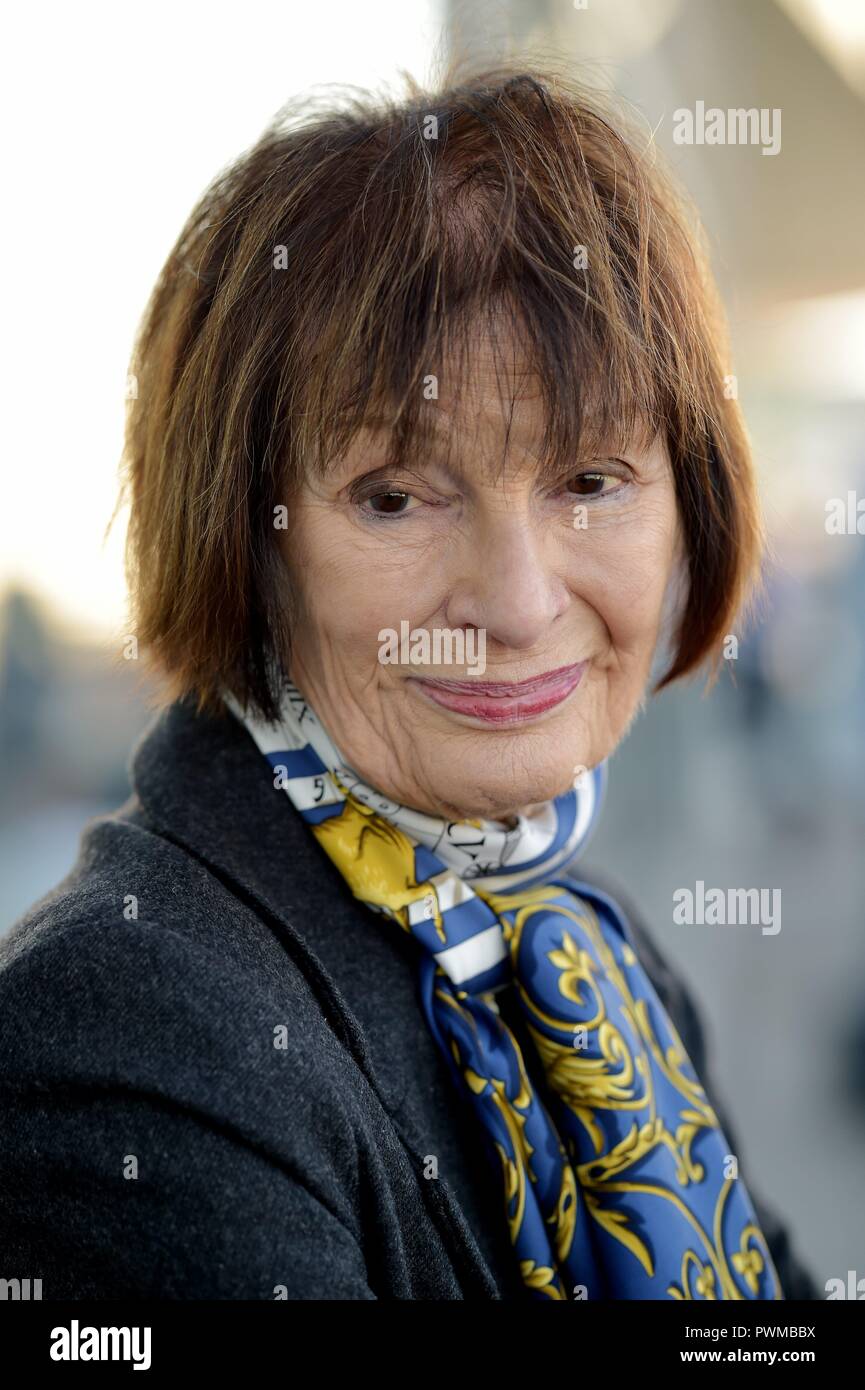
347	257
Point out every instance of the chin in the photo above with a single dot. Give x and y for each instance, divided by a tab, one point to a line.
495	794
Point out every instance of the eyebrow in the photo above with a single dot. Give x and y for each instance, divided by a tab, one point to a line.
386	472
432	432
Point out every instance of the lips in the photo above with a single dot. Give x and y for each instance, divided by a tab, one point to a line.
504	702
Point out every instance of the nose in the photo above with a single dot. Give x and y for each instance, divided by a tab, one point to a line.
507	584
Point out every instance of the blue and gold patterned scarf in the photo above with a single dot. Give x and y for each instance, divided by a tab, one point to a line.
617	1181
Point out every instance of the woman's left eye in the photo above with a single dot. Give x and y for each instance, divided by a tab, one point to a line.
594	483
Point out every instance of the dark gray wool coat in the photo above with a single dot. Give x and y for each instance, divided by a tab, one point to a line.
154	1141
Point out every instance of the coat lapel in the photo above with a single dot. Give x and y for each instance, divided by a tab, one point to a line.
204	784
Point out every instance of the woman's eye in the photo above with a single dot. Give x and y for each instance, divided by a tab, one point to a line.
593	484
387	503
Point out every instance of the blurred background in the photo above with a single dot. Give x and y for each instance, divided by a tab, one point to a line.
120	116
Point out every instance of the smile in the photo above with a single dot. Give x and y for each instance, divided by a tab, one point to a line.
504	702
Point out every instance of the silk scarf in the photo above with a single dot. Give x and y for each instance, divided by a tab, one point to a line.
617	1181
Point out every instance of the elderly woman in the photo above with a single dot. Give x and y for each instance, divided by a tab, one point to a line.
431	459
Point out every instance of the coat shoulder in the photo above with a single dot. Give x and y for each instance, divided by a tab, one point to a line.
142	967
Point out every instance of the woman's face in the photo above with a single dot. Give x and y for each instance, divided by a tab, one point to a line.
567	579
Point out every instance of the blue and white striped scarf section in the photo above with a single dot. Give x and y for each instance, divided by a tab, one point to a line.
453	859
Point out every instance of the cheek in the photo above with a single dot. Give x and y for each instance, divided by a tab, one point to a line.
625	581
351	585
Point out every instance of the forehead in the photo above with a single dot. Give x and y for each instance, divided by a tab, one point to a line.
485	407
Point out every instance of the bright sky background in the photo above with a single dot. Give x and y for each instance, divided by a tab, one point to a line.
116	116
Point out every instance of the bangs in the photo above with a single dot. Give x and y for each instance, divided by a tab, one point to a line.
579	408
512	238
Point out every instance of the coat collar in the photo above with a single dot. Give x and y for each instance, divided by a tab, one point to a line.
204	785
201	777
